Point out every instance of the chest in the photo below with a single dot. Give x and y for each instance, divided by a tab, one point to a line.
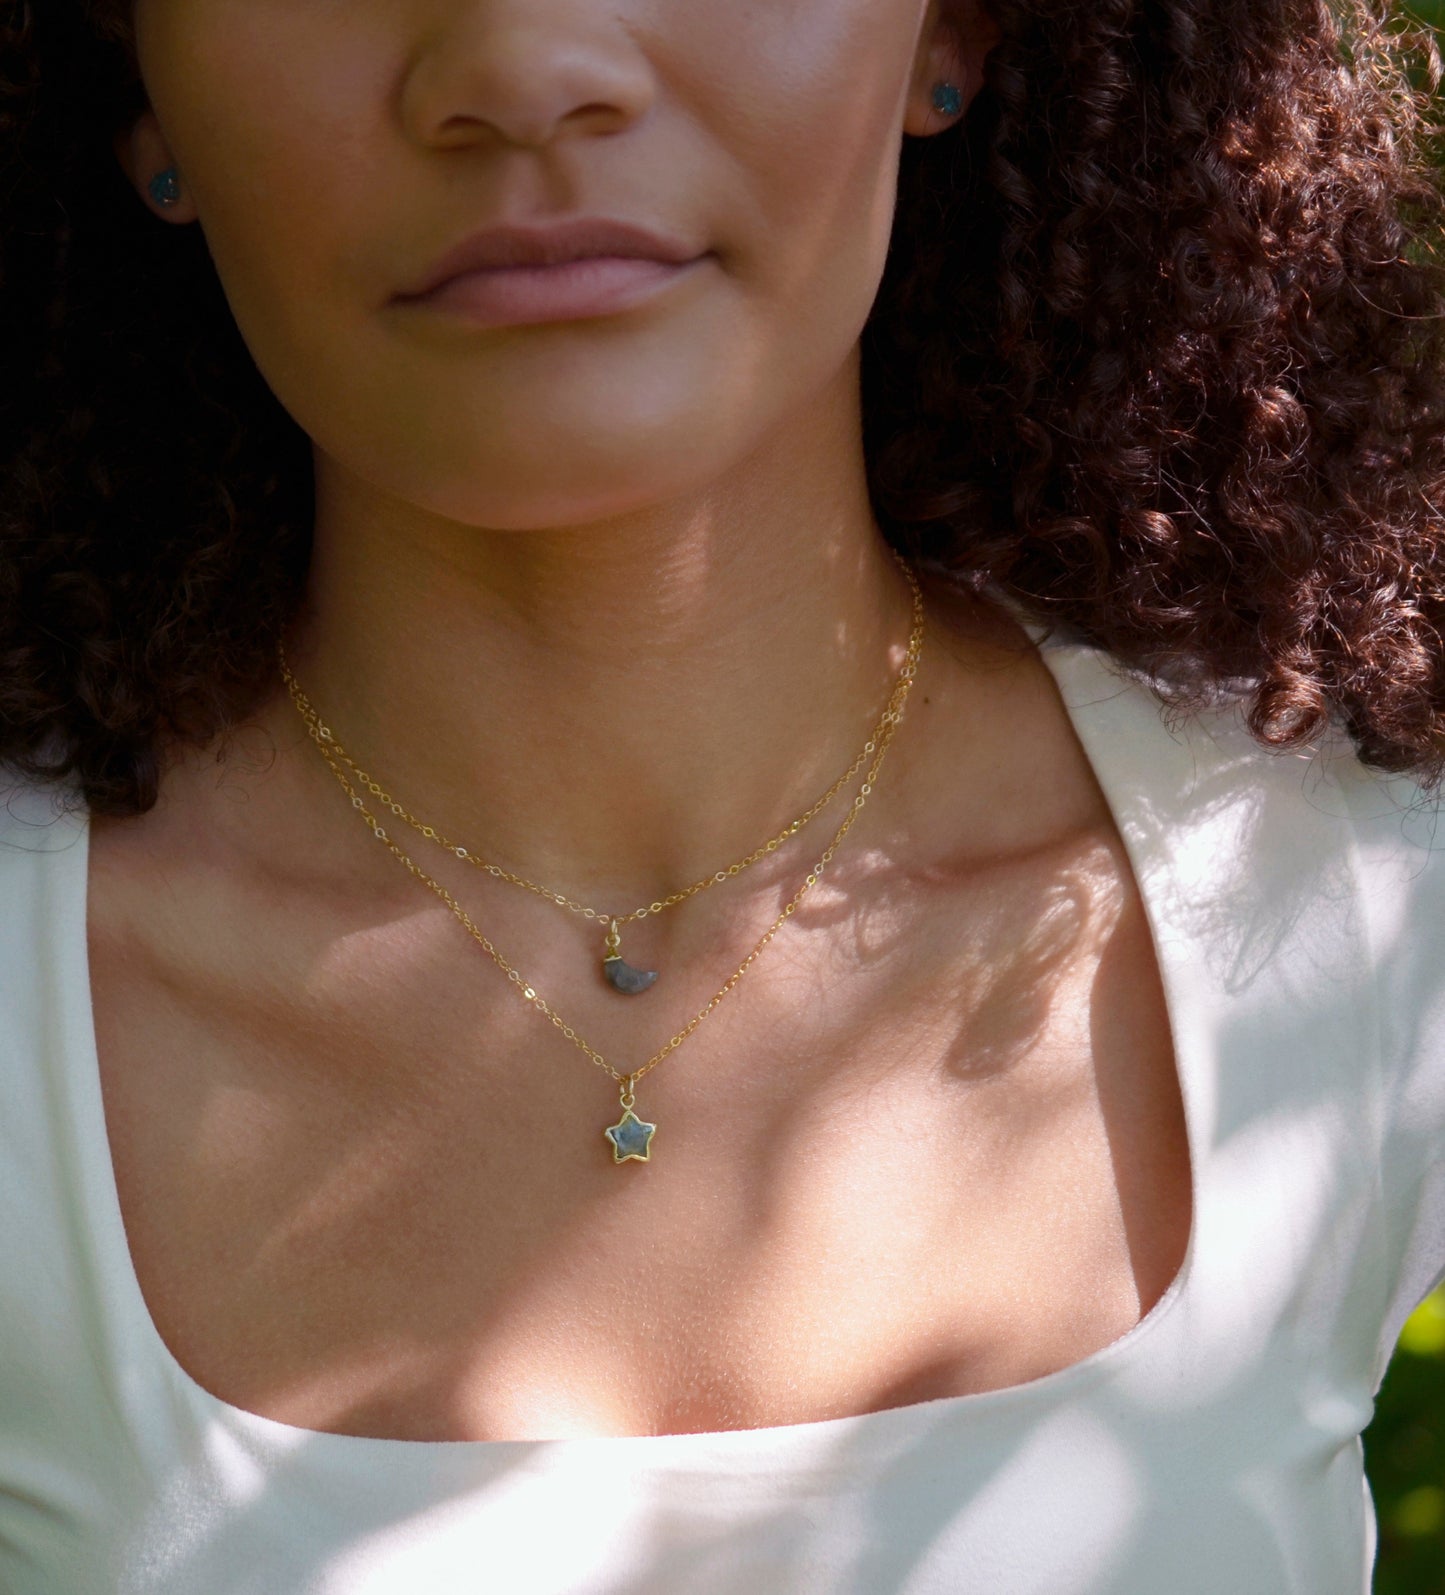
363	1194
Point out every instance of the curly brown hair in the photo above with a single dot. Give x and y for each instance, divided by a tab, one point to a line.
1159	350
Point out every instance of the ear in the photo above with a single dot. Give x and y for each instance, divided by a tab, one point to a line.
145	157
956	38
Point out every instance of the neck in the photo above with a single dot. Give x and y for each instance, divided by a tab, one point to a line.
618	708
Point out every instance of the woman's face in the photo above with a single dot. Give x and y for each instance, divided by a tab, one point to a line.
332	152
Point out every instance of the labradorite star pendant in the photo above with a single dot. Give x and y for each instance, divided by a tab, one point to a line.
631	1137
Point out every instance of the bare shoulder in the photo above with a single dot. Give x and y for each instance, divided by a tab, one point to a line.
993	739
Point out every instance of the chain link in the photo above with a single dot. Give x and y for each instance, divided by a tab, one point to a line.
313	719
878	746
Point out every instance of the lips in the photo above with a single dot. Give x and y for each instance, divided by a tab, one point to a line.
560	244
513	275
503	296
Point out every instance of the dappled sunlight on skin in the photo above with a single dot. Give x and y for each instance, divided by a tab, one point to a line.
913	1282
1029	921
877	1174
1140	1166
953	1303
972	1302
937	1019
1056	934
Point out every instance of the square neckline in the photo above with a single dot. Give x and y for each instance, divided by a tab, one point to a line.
1075	668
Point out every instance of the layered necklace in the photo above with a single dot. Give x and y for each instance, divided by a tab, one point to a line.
631	1137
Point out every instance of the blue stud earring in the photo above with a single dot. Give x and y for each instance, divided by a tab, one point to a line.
947	99
165	187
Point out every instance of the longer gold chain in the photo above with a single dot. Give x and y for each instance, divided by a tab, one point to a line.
877	746
717	878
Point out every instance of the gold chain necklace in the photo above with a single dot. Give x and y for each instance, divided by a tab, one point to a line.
631	1137
620	975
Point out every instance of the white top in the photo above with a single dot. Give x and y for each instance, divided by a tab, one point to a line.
1299	920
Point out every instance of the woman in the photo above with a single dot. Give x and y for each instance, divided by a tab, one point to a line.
1004	1164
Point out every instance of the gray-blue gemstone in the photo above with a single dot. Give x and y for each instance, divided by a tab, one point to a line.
630	1137
621	976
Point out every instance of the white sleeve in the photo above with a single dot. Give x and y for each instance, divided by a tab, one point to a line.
1400	859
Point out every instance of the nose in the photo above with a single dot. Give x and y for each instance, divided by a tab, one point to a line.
522	72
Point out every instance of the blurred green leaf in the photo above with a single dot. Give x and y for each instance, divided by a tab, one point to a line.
1424	1334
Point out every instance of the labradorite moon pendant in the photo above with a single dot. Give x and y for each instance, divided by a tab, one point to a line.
631	1137
621	975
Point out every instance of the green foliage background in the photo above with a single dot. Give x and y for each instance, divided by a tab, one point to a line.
1405	1455
1405	1445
